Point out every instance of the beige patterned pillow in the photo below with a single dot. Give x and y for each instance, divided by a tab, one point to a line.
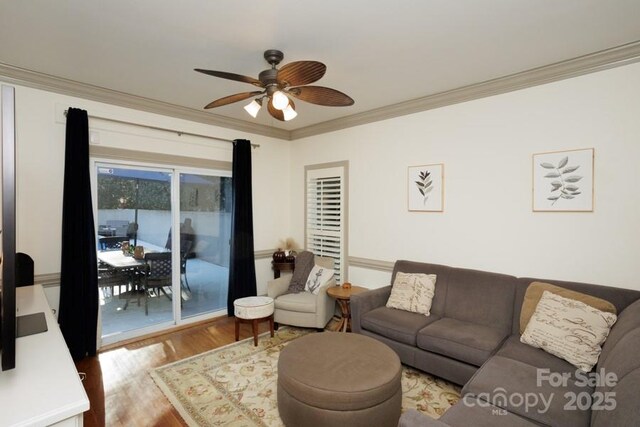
413	292
569	329
534	293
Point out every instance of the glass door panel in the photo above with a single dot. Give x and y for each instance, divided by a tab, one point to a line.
205	227
134	209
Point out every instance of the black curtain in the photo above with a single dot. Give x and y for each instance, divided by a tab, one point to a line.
242	268
78	316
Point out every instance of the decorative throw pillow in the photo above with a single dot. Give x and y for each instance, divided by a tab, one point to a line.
413	292
569	329
318	277
534	293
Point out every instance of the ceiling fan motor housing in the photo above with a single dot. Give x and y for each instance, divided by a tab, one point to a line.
273	56
269	79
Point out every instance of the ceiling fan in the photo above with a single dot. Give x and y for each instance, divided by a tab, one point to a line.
279	85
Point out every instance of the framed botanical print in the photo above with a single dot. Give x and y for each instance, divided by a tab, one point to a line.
426	188
563	181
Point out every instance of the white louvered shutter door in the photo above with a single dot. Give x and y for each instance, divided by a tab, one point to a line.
326	216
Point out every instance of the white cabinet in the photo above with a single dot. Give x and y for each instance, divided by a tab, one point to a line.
44	389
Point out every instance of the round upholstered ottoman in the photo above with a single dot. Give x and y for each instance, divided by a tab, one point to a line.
253	310
335	379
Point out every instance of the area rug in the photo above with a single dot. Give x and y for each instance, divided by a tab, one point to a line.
236	385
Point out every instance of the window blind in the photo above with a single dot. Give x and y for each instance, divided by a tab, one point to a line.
325	215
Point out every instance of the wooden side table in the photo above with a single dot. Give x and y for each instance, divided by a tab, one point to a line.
281	266
343	298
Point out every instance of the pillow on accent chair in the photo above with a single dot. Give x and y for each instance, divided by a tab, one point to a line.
534	293
569	329
318	277
413	292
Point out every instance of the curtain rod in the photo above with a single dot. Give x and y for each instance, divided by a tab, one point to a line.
179	132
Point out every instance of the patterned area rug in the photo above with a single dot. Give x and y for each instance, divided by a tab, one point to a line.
236	385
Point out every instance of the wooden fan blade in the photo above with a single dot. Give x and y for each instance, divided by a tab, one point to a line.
278	114
300	73
322	96
230	76
231	99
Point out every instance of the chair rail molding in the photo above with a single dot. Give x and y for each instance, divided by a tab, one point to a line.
372	264
53	279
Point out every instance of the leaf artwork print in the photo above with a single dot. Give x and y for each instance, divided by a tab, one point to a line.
563	185
425	185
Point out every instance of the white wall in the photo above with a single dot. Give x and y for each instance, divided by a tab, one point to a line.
40	168
486	146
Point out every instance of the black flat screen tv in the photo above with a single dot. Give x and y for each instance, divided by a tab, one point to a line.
8	287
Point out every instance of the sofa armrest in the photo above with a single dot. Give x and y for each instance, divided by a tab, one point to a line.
413	418
365	302
277	287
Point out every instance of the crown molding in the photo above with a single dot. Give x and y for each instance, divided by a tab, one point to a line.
586	64
36	80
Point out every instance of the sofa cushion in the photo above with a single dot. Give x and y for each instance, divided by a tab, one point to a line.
569	329
464	341
628	320
534	293
521	389
512	348
303	302
471	411
398	325
413	292
480	297
622	361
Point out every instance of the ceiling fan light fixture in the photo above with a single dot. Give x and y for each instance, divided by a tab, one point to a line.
280	100
289	113
253	107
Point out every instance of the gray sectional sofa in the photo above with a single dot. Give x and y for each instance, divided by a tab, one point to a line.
472	338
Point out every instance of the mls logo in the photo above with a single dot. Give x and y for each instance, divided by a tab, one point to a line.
498	411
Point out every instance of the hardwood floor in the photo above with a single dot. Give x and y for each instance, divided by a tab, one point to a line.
120	388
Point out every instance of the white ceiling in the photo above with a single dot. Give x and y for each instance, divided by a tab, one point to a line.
378	52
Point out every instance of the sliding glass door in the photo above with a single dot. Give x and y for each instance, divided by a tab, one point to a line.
205	225
151	277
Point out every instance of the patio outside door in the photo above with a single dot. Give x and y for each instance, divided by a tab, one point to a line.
205	227
184	275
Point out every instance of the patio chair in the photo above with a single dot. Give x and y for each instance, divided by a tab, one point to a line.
185	250
110	243
157	275
109	277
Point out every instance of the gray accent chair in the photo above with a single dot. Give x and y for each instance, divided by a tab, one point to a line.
303	309
472	338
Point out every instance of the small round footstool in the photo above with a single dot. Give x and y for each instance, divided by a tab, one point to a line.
331	379
253	310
